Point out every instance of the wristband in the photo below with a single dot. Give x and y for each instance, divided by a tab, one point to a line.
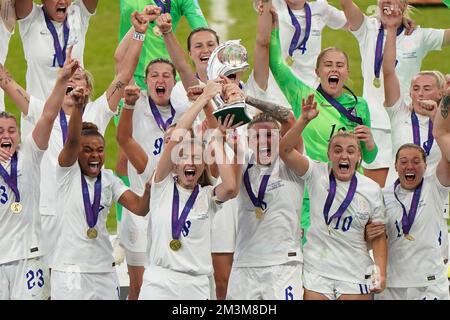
138	36
127	106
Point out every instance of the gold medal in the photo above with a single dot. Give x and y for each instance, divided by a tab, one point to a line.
259	213
156	31
289	60
175	244
409	237
16	207
376	82
91	233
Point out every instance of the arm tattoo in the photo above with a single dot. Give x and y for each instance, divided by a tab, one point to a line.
280	113
23	94
119	85
445	104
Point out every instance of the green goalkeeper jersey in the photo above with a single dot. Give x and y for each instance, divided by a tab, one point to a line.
154	46
329	121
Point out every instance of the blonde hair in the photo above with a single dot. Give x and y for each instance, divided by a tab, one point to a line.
344	134
439	76
263	117
326	50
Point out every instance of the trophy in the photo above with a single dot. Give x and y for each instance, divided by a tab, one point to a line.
228	58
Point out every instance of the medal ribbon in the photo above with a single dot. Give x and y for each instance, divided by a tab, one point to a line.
63	124
11	180
59	53
416	133
298	31
379	50
408	218
332	193
91	210
178	223
339	107
158	118
164	5
258	202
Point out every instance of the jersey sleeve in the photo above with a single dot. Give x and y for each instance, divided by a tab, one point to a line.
31	150
292	87
118	187
193	13
147	174
395	109
158	188
378	212
308	176
441	192
85	15
368	156
65	175
334	18
432	39
99	113
26	23
363	30
35	108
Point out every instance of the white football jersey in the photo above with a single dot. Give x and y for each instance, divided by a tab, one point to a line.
42	66
38	47
416	263
97	112
322	14
194	256
74	251
151	138
275	238
21	232
410	52
400	116
338	250
5	36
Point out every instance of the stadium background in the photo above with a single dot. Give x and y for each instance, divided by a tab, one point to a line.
102	40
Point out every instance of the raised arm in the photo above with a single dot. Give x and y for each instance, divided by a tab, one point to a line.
165	163
134	152
391	83
91	5
262	44
294	159
194	15
292	87
44	125
8	14
18	94
354	15
125	68
229	169
139	205
69	154
441	133
23	8
176	52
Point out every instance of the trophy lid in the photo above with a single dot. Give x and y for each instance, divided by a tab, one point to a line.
228	58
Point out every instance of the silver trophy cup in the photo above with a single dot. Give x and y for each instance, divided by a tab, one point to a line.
228	58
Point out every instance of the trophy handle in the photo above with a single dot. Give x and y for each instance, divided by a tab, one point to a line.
238	109
218	101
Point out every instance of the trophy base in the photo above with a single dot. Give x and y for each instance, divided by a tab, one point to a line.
237	109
